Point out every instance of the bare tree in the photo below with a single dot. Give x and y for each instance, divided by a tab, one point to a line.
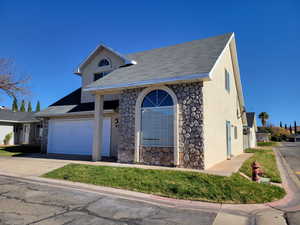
10	83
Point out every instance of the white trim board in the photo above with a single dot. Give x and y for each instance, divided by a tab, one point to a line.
192	77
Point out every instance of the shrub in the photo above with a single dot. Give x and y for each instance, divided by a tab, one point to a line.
7	138
266	143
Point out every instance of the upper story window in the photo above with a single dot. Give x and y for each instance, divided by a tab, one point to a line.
97	76
227	80
104	62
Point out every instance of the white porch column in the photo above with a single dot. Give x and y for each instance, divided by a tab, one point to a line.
98	130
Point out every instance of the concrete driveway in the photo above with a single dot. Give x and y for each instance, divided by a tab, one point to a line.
23	202
29	167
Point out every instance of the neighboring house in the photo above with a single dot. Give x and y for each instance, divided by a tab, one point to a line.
297	138
293	129
26	129
250	131
263	137
180	105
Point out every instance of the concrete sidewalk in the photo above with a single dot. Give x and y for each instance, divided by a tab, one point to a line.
39	164
227	167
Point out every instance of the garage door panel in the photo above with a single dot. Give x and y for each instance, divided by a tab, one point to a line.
74	136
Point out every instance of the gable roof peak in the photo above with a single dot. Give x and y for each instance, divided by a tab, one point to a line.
127	61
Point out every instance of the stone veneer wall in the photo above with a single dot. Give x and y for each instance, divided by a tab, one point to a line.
160	156
126	125
190	128
44	141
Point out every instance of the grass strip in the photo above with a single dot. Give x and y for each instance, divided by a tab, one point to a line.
174	184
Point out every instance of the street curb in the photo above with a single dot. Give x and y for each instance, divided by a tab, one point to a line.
289	169
120	193
233	209
241	209
276	215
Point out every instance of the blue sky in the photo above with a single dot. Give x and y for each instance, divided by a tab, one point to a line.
48	39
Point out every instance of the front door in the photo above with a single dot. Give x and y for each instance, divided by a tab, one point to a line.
228	139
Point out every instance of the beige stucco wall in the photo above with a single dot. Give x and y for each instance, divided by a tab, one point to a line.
252	135
252	138
92	67
220	106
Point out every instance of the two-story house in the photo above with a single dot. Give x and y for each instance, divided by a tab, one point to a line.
180	105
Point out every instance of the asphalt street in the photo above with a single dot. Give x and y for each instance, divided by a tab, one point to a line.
291	153
23	202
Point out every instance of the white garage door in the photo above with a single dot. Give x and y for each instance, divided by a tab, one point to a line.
75	136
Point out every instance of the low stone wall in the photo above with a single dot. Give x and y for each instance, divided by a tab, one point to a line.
160	156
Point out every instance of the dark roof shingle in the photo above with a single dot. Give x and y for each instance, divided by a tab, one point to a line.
9	115
195	57
72	103
250	118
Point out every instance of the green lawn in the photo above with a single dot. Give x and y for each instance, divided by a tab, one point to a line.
6	153
263	144
267	160
15	150
174	184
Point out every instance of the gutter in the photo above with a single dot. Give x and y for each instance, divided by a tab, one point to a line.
83	113
15	121
170	80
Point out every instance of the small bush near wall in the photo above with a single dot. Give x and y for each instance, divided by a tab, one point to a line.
7	138
270	143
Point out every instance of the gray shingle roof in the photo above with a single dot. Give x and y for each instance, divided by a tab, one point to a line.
250	118
9	115
71	103
195	57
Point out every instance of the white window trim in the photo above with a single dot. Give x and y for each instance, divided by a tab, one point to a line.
138	108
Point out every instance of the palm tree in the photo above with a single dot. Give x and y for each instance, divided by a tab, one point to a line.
263	116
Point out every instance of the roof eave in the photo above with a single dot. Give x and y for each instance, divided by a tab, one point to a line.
172	80
83	113
16	121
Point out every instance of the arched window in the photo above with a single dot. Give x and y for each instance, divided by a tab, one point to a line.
157	119
104	62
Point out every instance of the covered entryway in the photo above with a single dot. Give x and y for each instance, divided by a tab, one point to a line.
75	136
